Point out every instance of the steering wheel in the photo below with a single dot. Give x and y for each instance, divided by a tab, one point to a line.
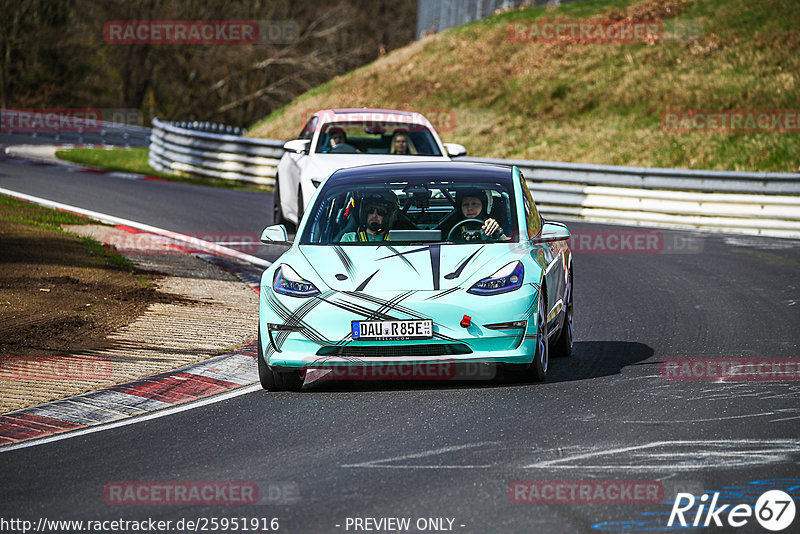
474	223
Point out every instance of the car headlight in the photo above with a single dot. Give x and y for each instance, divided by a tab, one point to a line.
506	279
288	282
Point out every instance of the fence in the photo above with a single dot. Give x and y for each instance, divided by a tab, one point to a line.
742	202
437	15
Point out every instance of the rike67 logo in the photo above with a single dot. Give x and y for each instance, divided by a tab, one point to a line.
774	511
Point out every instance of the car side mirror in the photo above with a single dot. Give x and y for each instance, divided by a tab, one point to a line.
275	235
454	150
298	146
552	231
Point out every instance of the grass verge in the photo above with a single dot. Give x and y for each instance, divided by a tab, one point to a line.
592	102
135	160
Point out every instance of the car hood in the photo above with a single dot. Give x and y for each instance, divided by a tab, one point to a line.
322	165
410	267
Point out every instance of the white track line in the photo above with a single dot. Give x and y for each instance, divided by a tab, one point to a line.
134	419
111	219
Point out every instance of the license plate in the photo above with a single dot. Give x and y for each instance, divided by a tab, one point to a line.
392	330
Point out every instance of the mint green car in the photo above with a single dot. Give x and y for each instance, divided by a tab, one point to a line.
417	264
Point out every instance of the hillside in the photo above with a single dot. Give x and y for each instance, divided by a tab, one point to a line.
593	102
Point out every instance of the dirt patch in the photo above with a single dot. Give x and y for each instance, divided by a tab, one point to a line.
76	316
59	294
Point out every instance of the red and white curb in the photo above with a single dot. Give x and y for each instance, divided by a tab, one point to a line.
221	374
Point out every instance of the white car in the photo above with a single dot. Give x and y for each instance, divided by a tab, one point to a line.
338	138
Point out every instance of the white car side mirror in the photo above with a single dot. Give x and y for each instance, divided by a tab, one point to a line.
298	146
455	150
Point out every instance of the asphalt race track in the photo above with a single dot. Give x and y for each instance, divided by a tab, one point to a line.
428	450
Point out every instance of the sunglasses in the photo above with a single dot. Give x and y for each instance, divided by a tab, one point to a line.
376	209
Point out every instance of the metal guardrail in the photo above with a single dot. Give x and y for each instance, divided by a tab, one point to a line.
741	202
100	133
224	156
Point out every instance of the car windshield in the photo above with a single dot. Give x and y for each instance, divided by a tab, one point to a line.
409	211
376	138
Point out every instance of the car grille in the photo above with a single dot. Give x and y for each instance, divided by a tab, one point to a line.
366	351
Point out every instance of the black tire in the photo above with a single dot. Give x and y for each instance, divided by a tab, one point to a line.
301	206
536	370
562	348
541	359
274	380
277	212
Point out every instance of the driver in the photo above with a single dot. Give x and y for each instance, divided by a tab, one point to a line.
376	216
338	141
471	204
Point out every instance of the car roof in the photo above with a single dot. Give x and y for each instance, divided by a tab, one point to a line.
396	115
371	110
442	169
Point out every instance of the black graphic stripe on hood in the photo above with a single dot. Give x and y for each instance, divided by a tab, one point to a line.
436	258
394	304
368	314
457	272
295	318
383	303
363	284
345	259
401	256
443	293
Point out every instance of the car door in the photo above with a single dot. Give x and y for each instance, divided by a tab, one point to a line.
290	168
548	255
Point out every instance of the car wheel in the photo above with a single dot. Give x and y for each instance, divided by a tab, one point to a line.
537	369
277	211
562	348
541	360
274	380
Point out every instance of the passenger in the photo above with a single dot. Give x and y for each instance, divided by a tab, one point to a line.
376	216
401	144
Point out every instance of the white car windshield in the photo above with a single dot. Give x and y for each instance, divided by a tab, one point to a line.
411	211
377	137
